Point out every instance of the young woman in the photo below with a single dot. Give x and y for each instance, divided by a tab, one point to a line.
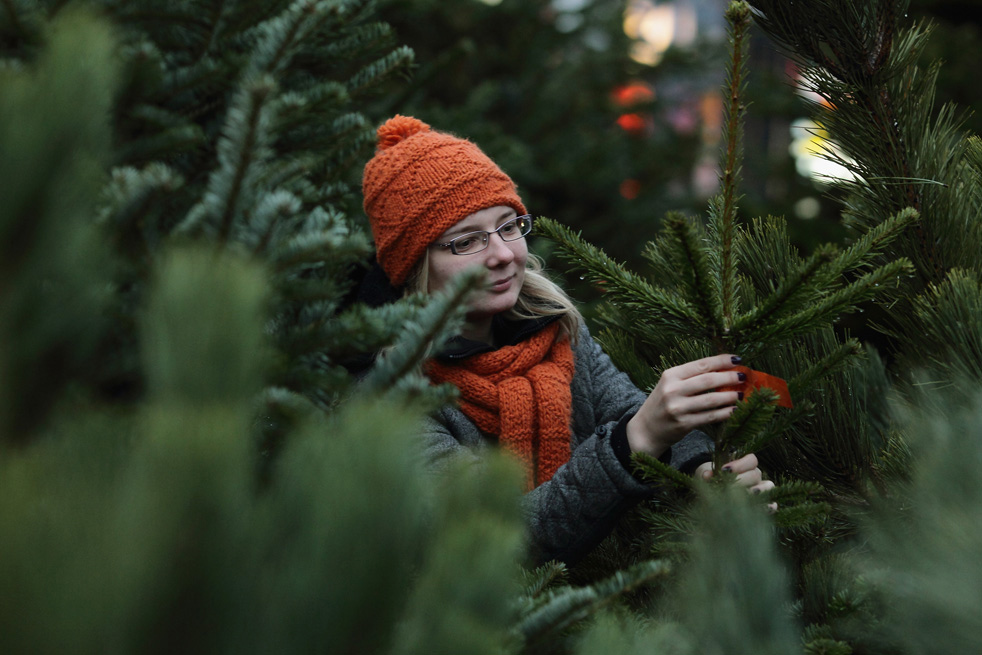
531	378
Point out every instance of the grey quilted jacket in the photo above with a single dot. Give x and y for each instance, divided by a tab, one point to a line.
571	513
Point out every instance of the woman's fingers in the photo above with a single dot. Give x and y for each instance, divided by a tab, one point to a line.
704	365
746	463
762	486
704	402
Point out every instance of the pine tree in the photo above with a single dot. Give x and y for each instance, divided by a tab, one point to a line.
727	287
236	124
722	286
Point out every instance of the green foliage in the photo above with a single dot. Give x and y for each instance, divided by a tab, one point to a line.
734	595
55	135
179	234
737	288
546	617
149	533
925	542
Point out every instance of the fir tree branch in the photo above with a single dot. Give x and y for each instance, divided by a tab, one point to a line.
565	607
628	290
746	421
420	337
830	306
825	367
790	292
724	220
402	57
695	264
654	470
861	252
240	151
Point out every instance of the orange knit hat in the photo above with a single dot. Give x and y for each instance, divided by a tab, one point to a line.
422	182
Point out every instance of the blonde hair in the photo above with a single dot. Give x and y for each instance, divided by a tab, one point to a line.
539	297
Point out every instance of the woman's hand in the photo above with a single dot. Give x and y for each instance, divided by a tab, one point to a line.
684	400
747	473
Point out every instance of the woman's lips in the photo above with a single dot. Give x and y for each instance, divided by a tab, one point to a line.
502	285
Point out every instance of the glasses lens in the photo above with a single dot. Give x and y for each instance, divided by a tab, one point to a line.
467	244
516	228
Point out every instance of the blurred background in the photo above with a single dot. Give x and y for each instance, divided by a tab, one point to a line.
608	113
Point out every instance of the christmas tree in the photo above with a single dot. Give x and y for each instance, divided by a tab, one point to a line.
722	286
185	463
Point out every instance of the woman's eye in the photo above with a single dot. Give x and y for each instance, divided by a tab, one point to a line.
508	228
465	244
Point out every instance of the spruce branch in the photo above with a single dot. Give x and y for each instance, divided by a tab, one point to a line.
627	289
562	608
442	313
402	58
697	276
829	307
723	221
538	580
798	516
871	243
779	425
746	421
654	470
792	291
241	149
825	367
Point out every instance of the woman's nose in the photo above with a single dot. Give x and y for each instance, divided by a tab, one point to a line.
499	250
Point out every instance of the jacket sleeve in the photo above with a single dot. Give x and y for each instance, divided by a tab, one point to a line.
575	510
571	513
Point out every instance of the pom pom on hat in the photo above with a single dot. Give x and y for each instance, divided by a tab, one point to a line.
422	182
398	128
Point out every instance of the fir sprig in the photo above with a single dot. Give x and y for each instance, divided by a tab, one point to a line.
651	304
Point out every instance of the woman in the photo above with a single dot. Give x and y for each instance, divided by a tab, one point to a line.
531	378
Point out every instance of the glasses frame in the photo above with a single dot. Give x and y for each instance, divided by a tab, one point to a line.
485	236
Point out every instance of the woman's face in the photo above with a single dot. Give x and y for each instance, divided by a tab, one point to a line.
502	261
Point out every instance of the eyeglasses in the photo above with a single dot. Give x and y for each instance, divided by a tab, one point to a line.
474	242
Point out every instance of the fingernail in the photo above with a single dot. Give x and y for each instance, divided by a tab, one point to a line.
727	469
739	395
756	491
736	359
741	376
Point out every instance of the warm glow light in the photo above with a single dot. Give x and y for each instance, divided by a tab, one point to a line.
658	27
655	27
644	53
809	147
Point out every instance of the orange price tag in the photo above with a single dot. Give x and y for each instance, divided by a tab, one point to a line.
756	380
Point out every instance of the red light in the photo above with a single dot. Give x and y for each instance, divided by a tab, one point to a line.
630	188
633	123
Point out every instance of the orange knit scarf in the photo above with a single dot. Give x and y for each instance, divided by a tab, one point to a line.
522	394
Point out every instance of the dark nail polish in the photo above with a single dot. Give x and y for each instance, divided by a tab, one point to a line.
736	359
756	491
727	469
739	395
742	376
